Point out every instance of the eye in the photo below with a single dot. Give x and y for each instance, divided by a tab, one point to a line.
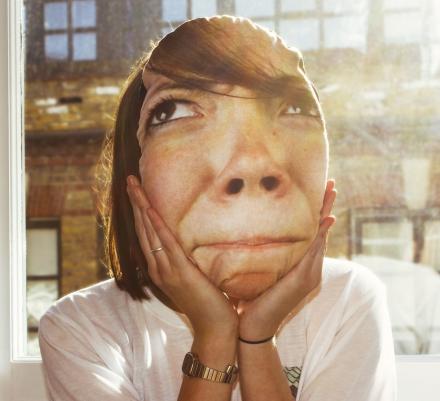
295	109
170	110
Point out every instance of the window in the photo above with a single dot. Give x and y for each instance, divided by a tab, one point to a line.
399	4
203	8
403	27
301	33
345	32
343	6
174	10
70	30
294	5
401	246
402	21
43	274
255	8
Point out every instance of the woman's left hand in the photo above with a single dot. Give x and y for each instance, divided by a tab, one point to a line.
262	317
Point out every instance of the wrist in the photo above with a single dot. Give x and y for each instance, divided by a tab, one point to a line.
217	350
269	339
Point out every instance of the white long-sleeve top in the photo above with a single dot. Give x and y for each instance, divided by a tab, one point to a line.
99	344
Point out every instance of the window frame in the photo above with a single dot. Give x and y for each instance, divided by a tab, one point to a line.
52	224
417	374
358	216
70	31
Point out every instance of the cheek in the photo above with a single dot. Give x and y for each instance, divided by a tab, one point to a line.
308	162
170	179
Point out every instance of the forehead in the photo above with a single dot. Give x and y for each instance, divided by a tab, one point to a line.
155	82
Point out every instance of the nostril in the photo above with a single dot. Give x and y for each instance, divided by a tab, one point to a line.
234	186
269	182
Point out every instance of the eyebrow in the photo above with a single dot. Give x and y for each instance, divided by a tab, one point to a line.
169	86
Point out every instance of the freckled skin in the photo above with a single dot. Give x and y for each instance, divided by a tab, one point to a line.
187	165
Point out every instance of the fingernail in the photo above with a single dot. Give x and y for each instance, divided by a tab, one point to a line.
129	180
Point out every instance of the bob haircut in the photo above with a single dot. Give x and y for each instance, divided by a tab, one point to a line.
198	53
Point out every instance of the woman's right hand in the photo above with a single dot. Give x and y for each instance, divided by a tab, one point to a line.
208	309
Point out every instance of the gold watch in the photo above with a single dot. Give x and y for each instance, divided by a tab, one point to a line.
194	368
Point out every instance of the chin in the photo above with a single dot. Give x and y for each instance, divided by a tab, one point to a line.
248	286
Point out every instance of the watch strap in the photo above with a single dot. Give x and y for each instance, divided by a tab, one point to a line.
194	368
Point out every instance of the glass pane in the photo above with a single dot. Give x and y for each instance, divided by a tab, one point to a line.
84	46
431	246
33	347
390	239
255	8
344	6
174	10
267	23
55	46
83	13
345	32
40	295
55	15
413	301
401	28
301	33
203	8
41	251
295	5
401	4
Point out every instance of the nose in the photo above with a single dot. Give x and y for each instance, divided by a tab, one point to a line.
252	172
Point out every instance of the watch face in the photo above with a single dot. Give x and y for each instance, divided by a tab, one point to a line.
187	363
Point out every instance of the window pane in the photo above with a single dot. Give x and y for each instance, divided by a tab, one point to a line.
40	295
401	4
203	8
301	33
33	347
83	13
174	10
390	239
55	15
345	32
55	46
431	246
41	251
84	46
295	5
401	28
267	23
344	6
255	8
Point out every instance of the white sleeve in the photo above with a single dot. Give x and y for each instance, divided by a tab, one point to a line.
79	366
360	363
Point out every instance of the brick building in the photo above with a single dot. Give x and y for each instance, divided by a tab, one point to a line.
376	64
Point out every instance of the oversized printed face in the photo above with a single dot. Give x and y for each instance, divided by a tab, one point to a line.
238	178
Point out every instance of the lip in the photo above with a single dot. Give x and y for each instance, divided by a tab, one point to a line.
255	243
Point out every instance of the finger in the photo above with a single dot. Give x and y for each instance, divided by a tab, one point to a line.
137	187
143	204
163	258
167	239
328	190
328	205
321	236
144	242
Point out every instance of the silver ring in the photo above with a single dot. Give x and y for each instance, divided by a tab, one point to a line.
156	250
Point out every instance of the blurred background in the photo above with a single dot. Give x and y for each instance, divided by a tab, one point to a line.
376	64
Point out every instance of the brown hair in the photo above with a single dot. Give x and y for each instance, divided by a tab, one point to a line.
198	53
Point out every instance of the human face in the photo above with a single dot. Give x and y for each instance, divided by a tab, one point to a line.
239	180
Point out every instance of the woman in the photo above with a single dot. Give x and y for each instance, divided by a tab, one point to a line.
219	210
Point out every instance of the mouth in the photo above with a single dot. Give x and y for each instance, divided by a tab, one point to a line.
253	244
